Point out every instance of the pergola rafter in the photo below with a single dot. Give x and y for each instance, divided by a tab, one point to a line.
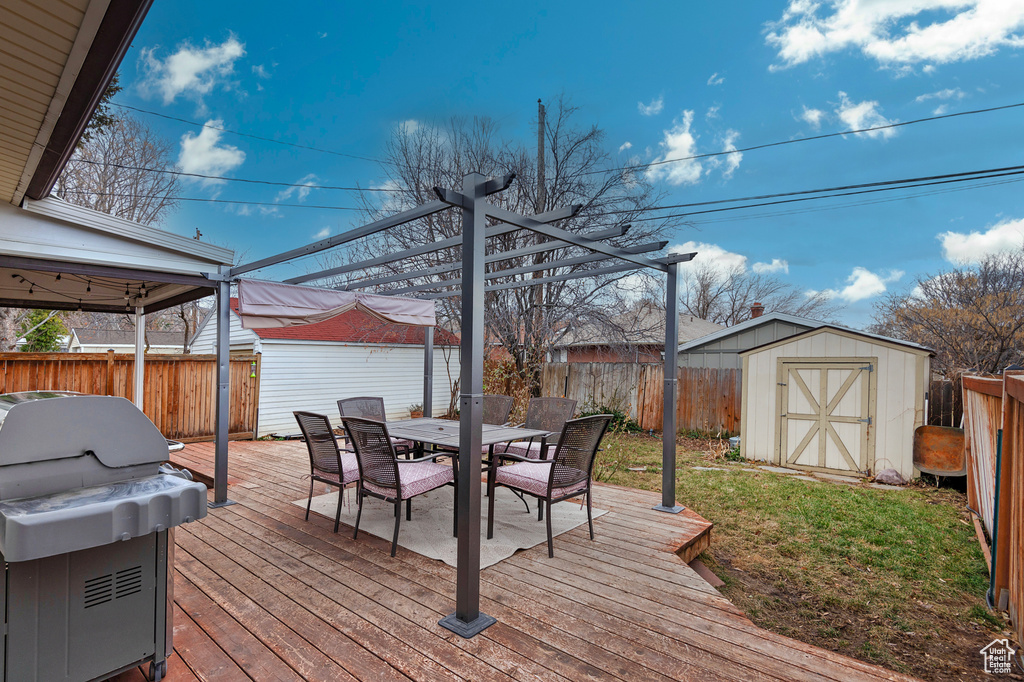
467	620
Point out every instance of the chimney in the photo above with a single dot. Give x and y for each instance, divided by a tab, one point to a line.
756	310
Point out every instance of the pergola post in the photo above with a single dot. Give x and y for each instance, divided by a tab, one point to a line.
668	424
467	621
139	367
428	371
223	397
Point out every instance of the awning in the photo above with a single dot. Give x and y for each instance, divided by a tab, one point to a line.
263	304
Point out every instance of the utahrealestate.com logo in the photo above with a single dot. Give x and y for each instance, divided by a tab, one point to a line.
998	657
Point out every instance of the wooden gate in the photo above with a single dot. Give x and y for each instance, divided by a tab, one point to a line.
826	409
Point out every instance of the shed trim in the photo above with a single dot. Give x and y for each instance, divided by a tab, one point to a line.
750	324
849	333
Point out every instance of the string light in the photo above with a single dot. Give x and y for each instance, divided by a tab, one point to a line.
88	286
58	277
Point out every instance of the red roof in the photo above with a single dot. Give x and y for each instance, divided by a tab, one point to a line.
355	326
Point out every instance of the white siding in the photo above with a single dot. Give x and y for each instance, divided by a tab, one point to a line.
240	339
899	391
310	375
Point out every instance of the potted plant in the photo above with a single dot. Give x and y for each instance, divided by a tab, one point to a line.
415	411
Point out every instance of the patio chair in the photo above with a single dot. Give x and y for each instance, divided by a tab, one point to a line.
497	409
368	407
328	463
543	414
565	475
384	476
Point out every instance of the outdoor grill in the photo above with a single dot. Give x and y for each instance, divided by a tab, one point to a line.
85	516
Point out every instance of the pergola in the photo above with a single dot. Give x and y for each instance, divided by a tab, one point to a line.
467	620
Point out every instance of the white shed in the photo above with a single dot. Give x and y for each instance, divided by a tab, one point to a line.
834	400
310	367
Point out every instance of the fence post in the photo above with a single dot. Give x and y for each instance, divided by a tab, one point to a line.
110	372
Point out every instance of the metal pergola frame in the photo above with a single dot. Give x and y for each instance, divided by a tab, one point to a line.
467	620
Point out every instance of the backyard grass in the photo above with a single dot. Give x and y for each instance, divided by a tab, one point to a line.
890	577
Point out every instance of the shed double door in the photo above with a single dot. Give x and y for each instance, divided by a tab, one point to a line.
826	415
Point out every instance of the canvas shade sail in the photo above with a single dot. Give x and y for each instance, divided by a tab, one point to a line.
263	304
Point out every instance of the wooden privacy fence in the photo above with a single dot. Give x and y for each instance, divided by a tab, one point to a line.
945	405
994	444
179	389
709	399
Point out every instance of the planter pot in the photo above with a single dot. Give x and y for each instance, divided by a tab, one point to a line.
415	415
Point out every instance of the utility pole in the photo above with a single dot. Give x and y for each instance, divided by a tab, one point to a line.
538	290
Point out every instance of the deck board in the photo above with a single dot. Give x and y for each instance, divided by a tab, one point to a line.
263	594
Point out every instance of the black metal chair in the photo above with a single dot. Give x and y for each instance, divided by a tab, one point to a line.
497	409
542	414
384	476
328	463
369	407
565	475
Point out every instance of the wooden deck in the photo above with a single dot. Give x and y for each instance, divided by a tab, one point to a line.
262	594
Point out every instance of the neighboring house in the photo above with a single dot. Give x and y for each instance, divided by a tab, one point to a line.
310	367
721	348
87	340
634	336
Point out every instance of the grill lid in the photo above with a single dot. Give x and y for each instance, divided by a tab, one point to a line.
47	425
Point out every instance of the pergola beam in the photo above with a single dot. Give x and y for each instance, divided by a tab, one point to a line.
610	233
534	267
507	216
520	284
343	238
497	230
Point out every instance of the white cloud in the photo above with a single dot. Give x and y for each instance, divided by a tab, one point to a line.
261	71
897	33
625	146
777	265
860	115
191	71
204	154
862	284
948	93
678	143
729	162
716	79
813	116
712	256
302	189
973	247
712	112
323	234
652	109
321	34
409	126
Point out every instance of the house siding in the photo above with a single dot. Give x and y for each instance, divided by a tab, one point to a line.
724	353
313	376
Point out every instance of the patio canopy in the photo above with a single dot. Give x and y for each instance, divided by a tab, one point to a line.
263	304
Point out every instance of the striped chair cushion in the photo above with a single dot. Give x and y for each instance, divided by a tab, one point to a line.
417	478
533	478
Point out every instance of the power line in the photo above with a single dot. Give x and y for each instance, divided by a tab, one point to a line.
209	201
805	139
826	196
841	188
168	171
249	135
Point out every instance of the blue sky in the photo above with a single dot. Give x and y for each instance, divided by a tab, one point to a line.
663	79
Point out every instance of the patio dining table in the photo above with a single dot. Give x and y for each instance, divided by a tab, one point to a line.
444	433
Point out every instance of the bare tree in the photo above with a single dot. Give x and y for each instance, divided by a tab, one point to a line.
119	171
973	316
726	296
526	321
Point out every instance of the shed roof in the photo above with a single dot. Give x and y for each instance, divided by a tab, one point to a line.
749	324
876	338
355	326
120	337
